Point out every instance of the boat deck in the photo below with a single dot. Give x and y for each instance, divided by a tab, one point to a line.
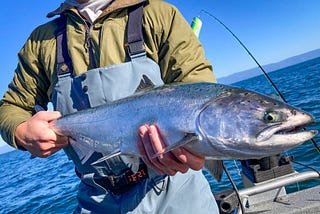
270	197
304	201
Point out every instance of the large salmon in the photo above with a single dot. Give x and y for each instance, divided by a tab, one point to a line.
215	121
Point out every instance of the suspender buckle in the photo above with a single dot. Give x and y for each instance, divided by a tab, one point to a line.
135	48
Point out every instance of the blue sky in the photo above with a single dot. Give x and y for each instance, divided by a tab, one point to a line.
271	29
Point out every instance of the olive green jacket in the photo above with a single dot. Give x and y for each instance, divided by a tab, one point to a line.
168	40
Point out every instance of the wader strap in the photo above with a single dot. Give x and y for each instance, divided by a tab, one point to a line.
64	65
134	33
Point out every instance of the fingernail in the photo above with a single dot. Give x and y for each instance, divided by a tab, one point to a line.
153	129
143	128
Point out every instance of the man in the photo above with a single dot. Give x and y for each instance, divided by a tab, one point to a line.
99	51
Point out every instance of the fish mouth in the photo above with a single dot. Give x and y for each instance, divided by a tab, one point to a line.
291	132
290	140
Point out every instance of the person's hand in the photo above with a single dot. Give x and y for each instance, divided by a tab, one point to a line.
36	135
178	160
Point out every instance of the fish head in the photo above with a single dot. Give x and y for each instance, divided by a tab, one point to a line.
241	124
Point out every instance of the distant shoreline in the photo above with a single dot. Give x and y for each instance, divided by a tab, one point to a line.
242	75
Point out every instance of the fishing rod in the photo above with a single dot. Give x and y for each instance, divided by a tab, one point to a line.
196	29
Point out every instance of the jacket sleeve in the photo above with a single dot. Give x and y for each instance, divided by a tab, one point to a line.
179	52
25	90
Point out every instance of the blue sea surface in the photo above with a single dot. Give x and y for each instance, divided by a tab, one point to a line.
50	185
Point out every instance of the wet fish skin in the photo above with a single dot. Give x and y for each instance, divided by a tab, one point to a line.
215	121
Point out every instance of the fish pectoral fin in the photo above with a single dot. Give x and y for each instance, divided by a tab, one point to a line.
111	155
215	168
188	138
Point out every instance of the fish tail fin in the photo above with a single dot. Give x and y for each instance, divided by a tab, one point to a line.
215	168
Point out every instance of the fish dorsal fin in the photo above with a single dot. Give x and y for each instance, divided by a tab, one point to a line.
274	96
215	168
145	83
188	138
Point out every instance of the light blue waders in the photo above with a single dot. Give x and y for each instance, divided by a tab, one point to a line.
110	186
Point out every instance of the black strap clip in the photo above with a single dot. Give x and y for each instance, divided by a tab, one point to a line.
134	31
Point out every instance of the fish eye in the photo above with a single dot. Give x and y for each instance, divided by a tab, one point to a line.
271	117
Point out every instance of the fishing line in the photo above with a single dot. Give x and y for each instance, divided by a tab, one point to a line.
234	186
306	166
237	167
260	67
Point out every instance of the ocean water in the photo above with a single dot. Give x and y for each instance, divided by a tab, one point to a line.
50	185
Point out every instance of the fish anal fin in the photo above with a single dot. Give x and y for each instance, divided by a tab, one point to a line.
188	138
215	168
104	158
131	161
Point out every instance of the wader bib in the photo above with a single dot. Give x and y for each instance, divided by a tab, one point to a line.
111	186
